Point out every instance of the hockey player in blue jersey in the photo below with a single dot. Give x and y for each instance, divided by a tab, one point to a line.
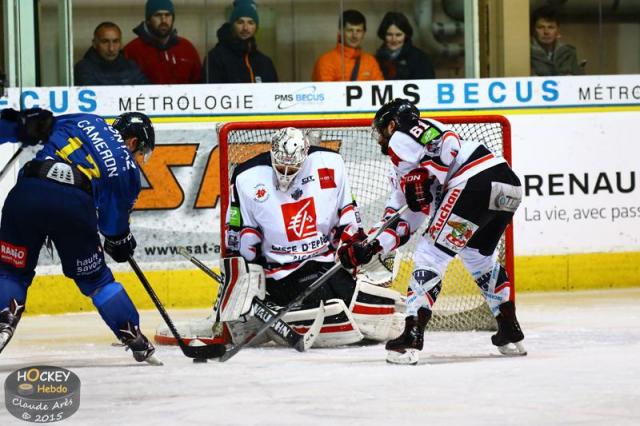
85	166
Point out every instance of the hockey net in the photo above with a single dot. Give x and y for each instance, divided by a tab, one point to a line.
460	305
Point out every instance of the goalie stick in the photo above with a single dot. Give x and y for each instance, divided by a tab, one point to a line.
313	287
198	352
264	313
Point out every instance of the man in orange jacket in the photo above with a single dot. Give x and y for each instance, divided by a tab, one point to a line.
347	61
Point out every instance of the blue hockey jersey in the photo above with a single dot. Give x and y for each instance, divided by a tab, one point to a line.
98	151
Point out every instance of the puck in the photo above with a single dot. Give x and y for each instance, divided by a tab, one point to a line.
199	360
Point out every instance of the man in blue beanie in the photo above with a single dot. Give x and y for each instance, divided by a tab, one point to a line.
235	58
162	55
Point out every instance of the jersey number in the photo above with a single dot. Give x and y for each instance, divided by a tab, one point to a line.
70	148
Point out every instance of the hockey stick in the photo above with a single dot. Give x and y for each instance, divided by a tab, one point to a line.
12	160
300	342
199	352
313	287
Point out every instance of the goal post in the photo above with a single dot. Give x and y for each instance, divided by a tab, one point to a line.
460	305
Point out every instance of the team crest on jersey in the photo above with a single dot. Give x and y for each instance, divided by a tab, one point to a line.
457	233
260	193
300	219
327	178
296	194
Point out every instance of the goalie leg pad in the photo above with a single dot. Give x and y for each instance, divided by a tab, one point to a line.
201	329
241	329
339	327
374	311
242	282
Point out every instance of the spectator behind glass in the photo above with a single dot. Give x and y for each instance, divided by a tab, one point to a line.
235	58
104	64
162	55
398	58
549	56
347	62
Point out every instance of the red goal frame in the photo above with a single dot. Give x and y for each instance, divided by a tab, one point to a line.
225	129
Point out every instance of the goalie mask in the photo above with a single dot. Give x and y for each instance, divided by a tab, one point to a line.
402	111
289	149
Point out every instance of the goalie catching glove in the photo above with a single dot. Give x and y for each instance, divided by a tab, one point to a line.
416	186
357	251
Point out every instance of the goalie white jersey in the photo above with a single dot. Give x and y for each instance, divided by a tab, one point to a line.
283	229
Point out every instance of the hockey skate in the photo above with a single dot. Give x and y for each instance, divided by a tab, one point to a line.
404	349
140	346
9	318
509	337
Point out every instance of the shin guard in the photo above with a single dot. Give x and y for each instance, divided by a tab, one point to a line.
115	307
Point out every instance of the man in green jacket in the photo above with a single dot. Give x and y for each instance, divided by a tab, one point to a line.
549	56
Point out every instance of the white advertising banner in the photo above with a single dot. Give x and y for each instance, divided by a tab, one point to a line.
333	98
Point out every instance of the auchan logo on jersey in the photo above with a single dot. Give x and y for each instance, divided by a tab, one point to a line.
443	213
300	219
13	255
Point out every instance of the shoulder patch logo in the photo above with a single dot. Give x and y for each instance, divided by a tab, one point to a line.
327	178
260	193
430	135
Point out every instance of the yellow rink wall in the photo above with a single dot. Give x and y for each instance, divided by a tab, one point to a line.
192	289
52	294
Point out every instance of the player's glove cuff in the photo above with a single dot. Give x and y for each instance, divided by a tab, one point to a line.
120	247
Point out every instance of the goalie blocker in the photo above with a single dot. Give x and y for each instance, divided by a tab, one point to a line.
374	312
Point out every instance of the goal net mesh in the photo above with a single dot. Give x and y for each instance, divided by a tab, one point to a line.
460	305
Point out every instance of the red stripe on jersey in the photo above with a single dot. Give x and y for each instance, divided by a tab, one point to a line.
250	231
373	310
347	209
473	164
436	166
394	157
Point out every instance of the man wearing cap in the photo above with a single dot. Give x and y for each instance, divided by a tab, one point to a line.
162	55
235	58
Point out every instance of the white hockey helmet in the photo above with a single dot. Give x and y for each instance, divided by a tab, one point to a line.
289	149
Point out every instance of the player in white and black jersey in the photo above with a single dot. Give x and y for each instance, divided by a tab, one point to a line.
479	194
290	209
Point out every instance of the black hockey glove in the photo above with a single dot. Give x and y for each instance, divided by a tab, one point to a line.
416	186
356	254
34	124
120	247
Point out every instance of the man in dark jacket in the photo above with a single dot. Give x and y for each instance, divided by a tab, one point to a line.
236	59
104	64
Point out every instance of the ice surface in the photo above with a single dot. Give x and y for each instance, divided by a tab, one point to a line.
583	368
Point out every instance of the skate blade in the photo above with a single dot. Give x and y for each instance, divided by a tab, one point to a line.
409	357
154	360
513	349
